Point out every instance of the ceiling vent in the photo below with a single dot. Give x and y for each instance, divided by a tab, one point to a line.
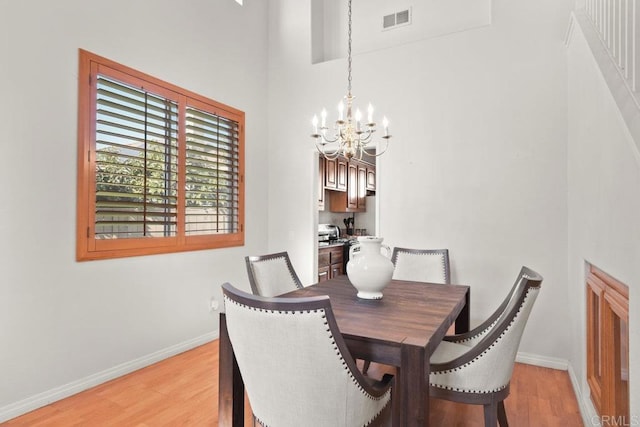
397	19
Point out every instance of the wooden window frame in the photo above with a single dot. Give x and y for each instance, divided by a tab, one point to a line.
607	305
90	248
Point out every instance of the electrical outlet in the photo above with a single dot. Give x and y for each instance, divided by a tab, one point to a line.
214	304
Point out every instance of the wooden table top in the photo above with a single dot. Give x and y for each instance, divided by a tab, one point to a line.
410	313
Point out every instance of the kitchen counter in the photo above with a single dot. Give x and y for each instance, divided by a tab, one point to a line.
330	244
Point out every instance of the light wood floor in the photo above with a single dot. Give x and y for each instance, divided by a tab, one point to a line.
183	391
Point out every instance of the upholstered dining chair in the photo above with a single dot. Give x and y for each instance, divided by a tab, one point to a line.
476	367
296	366
272	275
421	265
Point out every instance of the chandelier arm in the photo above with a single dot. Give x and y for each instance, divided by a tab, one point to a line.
328	155
328	140
386	145
332	156
365	137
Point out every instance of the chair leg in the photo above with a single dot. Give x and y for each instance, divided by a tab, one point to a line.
365	367
502	415
491	415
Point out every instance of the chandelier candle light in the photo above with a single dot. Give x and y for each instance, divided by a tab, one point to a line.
351	137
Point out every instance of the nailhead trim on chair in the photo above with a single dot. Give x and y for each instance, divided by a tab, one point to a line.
293	279
444	267
335	347
480	355
462	390
482	332
367	424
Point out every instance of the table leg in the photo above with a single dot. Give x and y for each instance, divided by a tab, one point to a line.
412	382
231	386
396	398
463	322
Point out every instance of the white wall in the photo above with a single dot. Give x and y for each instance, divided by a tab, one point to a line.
429	18
478	164
293	164
478	159
65	324
603	203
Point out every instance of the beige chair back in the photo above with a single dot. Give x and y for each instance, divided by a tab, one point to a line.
295	364
421	265
272	275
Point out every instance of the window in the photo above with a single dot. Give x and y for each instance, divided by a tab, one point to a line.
160	169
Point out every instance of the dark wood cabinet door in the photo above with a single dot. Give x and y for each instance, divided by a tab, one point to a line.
362	187
352	186
341	174
371	178
324	257
321	175
337	270
323	273
330	262
331	174
337	254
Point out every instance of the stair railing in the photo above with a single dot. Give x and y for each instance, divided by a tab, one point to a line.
617	24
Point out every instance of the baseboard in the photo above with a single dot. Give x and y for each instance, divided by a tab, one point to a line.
42	399
545	362
589	415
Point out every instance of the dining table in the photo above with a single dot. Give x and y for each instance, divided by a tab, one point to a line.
402	329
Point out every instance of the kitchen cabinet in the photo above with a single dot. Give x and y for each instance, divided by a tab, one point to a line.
335	177
352	186
361	201
341	173
324	273
321	175
330	262
354	199
330	174
371	177
337	270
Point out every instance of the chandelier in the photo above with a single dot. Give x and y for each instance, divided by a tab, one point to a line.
350	136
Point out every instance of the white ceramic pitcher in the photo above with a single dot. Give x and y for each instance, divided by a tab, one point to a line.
368	270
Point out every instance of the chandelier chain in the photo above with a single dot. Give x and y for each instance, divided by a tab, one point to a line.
352	134
349	53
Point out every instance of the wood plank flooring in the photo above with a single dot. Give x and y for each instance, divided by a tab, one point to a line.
183	391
